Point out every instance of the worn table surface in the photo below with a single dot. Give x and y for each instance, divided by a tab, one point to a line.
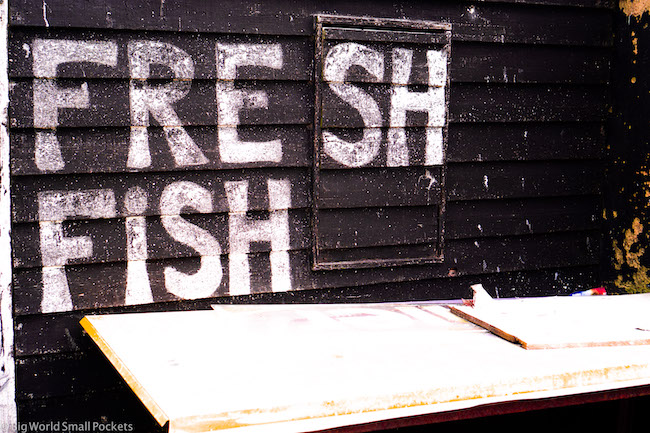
293	368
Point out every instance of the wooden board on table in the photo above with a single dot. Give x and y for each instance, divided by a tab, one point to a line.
565	322
298	368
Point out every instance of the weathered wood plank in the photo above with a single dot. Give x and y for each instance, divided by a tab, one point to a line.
371	227
416	143
481	103
519	64
104	285
419	67
412	186
516	23
373	257
477	219
470	62
287	103
527	103
606	4
80	147
144	191
525	141
296	54
478	181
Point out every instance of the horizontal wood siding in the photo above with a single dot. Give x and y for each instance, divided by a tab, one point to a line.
528	100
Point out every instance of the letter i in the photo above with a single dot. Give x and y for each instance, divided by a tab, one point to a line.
138	290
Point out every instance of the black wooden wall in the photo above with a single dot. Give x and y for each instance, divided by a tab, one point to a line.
528	99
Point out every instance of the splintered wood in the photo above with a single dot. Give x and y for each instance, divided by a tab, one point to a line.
563	322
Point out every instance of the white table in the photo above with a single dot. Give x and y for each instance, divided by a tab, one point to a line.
294	368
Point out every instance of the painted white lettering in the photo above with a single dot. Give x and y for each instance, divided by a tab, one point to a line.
207	279
432	102
49	97
243	231
337	62
138	289
56	248
158	100
231	100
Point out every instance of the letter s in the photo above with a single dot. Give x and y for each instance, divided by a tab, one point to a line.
337	62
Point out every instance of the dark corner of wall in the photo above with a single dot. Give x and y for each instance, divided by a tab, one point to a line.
626	256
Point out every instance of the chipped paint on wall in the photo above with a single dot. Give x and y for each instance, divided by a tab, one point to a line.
628	258
634	8
633	276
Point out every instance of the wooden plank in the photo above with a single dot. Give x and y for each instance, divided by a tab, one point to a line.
374	257
518	23
470	62
288	103
371	227
525	141
564	322
416	143
336	113
296	55
477	219
80	146
419	72
401	36
149	188
354	335
478	181
412	186
481	103
521	64
527	103
606	4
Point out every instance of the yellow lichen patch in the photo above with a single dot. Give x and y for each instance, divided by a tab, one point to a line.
630	255
634	8
633	80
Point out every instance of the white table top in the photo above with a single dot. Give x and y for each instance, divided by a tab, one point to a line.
293	368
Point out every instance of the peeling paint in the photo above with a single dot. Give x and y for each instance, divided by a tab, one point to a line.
628	258
634	8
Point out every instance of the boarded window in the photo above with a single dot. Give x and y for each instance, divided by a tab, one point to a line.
380	136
